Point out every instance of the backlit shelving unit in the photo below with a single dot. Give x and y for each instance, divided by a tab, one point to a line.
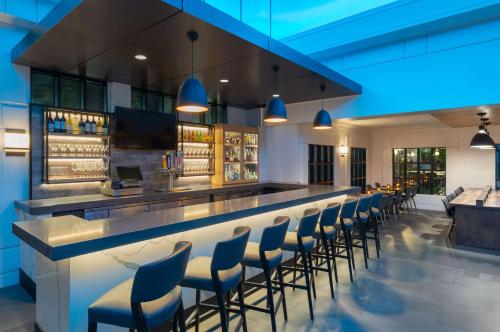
197	143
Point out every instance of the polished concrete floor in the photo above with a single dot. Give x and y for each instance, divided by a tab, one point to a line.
419	284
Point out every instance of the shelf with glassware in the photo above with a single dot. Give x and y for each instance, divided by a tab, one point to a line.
197	145
236	154
76	146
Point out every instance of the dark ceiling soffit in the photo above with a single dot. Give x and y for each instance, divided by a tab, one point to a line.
61	10
233	26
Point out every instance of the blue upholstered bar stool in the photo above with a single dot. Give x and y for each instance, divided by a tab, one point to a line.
267	256
358	235
345	223
147	301
325	235
372	225
302	242
220	274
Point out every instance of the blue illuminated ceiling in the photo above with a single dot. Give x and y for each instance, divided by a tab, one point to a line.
284	18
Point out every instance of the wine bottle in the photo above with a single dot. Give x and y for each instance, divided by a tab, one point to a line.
50	123
57	123
87	126
63	124
81	125
105	126
69	125
99	126
76	128
93	126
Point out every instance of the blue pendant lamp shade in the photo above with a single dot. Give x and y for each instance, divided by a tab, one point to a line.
275	111
482	139
322	120
192	96
275	108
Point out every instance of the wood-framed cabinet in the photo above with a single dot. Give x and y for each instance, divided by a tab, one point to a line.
236	154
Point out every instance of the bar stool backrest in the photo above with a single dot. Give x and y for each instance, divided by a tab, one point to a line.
330	214
154	280
449	198
229	253
377	185
457	191
408	192
274	236
447	207
308	222
364	204
348	209
375	202
369	187
453	195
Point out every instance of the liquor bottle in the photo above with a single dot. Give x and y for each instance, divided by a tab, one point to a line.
99	126
69	125
93	126
87	126
63	124
75	125
105	126
57	123
50	123
81	125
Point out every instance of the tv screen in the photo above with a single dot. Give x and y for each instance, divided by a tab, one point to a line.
136	129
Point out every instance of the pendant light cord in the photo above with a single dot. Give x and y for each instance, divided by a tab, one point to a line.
192	58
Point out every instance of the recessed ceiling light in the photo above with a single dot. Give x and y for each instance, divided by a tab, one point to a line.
140	57
224	80
276	95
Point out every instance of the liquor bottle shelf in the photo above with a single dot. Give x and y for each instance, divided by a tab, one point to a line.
196	174
57	134
251	146
194	158
195	142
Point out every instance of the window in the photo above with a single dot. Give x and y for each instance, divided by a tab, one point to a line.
358	167
321	164
425	167
54	89
157	102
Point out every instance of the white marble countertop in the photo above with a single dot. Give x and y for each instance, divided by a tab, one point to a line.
68	236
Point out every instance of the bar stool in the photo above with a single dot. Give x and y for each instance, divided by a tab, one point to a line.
345	223
148	300
267	256
360	226
302	242
372	225
389	207
220	274
325	234
377	185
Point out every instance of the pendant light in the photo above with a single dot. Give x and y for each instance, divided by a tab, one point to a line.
482	139
192	96
322	120
275	109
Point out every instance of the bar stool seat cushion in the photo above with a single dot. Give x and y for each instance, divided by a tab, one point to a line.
292	243
363	217
376	212
330	232
347	222
199	275
252	256
114	307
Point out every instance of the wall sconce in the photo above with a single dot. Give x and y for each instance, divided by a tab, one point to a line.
343	150
16	142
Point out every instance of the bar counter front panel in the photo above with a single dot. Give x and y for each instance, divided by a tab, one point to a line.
78	261
477	218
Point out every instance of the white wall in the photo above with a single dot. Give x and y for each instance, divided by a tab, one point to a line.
14	171
465	167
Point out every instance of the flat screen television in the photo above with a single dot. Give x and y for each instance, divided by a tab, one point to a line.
135	129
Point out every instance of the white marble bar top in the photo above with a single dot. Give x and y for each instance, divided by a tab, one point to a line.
68	236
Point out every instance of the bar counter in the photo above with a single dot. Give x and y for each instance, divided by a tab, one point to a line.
477	215
79	260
